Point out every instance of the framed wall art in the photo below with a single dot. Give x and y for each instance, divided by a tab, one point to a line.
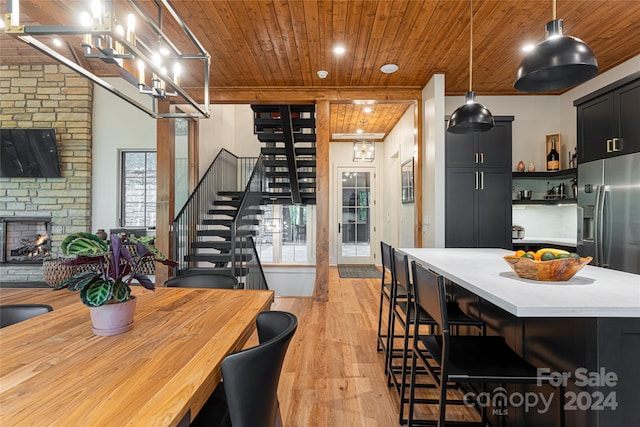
407	181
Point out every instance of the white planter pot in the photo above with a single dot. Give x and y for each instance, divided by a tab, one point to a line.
113	319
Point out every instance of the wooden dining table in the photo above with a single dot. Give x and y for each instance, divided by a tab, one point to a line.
55	371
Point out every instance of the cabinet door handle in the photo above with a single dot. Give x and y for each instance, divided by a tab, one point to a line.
609	145
481	157
475	175
616	144
475	157
482	180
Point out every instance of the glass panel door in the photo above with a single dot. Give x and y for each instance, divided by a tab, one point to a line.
355	213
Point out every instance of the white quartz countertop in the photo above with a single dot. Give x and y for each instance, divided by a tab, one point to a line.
560	241
592	292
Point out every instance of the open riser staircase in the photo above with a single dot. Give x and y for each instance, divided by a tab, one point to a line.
288	137
215	229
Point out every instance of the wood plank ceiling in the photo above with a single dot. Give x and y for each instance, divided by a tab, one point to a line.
258	44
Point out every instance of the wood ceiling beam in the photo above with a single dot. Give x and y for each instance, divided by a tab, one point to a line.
283	95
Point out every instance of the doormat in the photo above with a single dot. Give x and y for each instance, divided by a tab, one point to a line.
349	271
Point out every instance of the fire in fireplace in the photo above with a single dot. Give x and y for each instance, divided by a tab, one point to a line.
37	247
24	240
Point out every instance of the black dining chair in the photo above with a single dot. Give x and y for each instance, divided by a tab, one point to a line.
203	280
247	396
403	315
461	359
14	313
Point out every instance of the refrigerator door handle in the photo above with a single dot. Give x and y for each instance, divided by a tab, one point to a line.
605	242
597	239
598	226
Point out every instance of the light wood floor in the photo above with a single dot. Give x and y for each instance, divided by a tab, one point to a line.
333	375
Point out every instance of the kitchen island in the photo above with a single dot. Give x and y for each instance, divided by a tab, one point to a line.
588	327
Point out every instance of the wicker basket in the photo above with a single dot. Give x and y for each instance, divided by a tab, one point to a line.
55	272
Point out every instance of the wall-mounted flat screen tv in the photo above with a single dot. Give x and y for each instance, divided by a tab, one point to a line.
28	153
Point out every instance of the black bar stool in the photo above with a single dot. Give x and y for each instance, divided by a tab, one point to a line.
461	359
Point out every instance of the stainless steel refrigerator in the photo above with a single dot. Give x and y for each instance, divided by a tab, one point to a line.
609	212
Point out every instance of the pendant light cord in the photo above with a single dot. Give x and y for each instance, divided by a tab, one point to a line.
471	45
554	10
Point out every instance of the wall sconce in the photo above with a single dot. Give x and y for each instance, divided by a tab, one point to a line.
364	151
115	39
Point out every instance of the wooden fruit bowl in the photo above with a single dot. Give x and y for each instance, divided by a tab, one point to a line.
556	270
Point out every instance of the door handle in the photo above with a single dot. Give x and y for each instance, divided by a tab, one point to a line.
482	180
597	219
616	144
481	157
476	157
339	225
609	145
475	176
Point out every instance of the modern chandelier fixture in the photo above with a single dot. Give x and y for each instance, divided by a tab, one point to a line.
556	63
134	42
363	150
471	116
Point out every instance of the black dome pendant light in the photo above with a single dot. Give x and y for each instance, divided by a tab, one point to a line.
556	63
472	116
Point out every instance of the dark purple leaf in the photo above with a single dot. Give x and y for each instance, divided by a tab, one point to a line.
144	281
142	249
168	262
116	248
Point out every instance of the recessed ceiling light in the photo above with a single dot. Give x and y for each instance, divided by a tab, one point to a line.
57	42
359	131
367	109
323	74
339	50
528	47
389	68
1	23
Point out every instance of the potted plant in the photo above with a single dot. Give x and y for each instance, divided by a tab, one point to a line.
106	273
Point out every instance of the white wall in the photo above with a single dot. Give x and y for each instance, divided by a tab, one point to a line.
229	127
117	126
290	281
398	147
433	173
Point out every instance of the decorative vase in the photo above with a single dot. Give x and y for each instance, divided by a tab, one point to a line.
113	319
102	234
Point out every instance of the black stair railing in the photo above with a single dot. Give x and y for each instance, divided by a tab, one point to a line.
255	274
226	173
244	224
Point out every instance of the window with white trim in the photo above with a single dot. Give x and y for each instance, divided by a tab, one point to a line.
138	189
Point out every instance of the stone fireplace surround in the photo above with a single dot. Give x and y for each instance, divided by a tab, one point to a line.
48	96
